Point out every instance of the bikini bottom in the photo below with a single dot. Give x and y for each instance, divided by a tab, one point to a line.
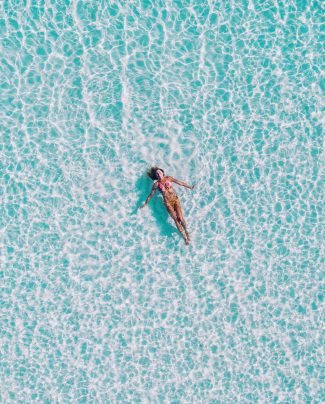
172	203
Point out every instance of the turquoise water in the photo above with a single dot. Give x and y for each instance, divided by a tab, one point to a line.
103	303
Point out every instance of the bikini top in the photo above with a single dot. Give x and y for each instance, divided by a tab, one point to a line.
165	186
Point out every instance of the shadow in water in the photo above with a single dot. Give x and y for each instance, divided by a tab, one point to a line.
156	205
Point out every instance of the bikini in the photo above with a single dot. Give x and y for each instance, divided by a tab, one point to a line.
164	186
171	201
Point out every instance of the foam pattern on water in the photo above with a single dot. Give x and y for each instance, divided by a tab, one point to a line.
101	303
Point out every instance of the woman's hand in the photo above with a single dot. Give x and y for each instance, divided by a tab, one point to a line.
192	186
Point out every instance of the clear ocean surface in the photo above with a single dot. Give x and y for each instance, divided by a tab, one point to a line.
103	303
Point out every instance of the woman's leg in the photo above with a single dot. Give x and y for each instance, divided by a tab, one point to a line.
173	214
179	213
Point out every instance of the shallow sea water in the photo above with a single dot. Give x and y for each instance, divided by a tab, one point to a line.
104	303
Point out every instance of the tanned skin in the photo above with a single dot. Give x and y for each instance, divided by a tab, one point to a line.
172	203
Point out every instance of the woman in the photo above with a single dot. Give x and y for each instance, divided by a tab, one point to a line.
171	200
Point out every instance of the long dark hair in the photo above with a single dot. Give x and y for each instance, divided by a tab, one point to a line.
152	172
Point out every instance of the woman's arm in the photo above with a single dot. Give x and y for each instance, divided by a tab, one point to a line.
154	187
182	183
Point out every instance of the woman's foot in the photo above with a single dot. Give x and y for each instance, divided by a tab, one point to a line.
187	241
183	231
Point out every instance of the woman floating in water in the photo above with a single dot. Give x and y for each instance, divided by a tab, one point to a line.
171	200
